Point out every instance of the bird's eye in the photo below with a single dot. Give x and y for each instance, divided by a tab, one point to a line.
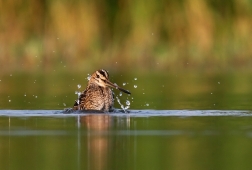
97	76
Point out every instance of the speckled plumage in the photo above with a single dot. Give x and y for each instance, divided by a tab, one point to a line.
98	95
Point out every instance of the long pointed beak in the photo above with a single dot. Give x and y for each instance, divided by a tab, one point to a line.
117	87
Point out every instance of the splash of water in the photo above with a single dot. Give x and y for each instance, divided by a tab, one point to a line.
127	104
122	106
78	93
88	77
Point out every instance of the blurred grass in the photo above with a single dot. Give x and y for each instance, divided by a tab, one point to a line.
164	35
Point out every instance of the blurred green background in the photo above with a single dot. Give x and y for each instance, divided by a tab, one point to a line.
185	54
121	34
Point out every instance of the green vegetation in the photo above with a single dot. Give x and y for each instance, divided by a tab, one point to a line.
86	35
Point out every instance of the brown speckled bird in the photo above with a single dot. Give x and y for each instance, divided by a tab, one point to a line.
98	95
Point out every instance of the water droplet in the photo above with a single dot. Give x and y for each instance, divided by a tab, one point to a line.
79	86
126	107
36	96
120	94
127	102
218	82
88	77
64	104
135	78
25	95
135	86
9	100
123	83
211	93
147	104
10	74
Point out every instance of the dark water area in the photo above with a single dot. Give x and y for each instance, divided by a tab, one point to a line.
141	139
177	121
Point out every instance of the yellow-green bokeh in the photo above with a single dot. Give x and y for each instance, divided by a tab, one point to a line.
161	35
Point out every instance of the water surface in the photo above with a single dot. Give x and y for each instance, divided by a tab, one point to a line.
187	90
141	139
182	121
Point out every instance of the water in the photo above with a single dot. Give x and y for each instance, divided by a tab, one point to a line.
195	91
185	121
141	139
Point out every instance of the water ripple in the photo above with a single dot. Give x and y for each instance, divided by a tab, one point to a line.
120	113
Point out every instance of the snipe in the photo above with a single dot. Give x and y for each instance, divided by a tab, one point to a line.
98	95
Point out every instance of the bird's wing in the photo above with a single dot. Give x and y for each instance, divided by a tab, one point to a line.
90	100
80	100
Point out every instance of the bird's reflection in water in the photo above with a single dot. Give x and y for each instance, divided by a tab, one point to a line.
96	122
98	139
